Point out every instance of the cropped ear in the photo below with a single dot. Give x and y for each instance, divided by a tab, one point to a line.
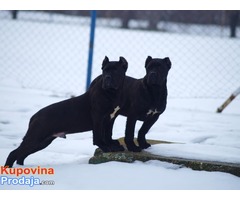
149	58
105	61
124	62
168	62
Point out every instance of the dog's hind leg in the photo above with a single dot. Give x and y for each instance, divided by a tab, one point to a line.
33	148
12	157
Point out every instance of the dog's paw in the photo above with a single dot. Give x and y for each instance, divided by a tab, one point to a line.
131	146
134	148
20	162
115	143
144	145
105	149
116	148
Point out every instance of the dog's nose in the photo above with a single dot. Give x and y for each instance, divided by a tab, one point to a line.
107	77
153	75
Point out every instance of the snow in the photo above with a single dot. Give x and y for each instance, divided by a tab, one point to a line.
197	131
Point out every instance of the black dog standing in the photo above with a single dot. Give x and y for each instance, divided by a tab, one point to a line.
146	99
94	110
106	100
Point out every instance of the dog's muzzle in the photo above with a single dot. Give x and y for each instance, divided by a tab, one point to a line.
107	82
152	78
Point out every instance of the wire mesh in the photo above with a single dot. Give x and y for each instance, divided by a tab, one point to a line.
54	45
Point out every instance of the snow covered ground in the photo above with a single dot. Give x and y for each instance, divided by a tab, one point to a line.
192	123
203	134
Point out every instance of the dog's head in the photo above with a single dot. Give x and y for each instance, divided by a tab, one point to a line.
113	73
157	70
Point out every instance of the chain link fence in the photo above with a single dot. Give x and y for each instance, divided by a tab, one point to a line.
49	50
44	51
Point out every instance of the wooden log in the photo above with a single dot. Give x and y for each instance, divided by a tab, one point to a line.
129	157
228	101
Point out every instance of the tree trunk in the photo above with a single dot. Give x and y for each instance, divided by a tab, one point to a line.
234	17
14	14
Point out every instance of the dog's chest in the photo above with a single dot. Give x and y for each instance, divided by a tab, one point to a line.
156	106
151	112
114	113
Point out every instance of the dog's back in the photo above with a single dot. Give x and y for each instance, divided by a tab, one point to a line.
71	115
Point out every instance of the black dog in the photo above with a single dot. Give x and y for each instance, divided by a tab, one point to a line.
106	99
146	99
94	110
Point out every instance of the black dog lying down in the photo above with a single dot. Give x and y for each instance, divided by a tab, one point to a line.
146	99
94	110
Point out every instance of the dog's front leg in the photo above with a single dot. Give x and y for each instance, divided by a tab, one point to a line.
129	135
114	144
99	137
147	124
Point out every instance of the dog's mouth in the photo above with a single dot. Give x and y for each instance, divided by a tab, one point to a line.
152	80
109	86
155	82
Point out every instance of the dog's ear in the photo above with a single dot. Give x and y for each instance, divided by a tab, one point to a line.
124	62
149	58
168	62
105	61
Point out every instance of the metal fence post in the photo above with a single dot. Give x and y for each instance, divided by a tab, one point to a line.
91	45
